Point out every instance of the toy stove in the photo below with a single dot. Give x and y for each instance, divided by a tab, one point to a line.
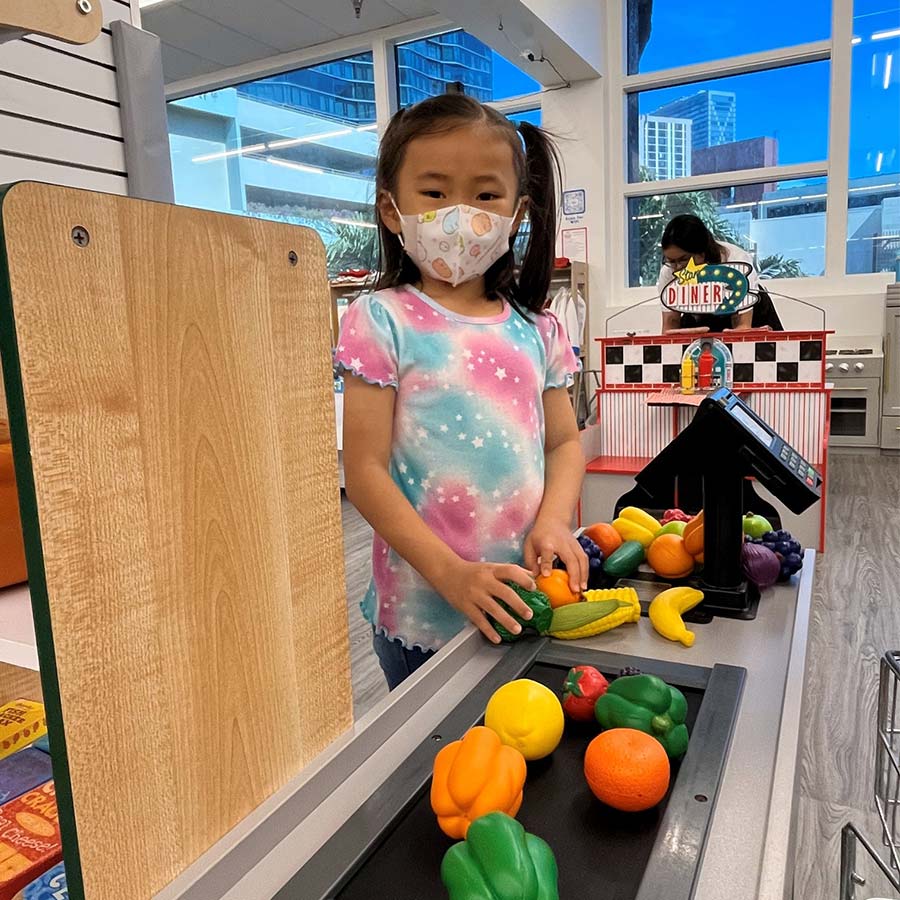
854	366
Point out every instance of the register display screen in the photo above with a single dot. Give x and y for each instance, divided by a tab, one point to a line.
753	426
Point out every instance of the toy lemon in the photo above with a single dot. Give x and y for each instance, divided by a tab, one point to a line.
526	715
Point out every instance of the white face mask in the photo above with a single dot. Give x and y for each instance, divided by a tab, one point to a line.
456	243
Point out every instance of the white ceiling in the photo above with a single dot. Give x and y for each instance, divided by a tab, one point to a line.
203	36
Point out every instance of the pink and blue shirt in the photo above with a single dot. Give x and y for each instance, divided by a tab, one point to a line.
468	437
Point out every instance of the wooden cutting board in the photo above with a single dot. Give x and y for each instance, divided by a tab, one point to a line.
171	406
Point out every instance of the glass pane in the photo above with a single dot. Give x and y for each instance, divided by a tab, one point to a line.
298	147
781	224
873	225
729	123
663	34
425	68
533	116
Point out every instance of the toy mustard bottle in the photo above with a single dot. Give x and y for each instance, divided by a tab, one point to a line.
687	376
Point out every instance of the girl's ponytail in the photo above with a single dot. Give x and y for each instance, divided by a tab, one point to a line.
542	173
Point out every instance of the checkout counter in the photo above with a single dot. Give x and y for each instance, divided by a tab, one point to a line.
780	375
197	687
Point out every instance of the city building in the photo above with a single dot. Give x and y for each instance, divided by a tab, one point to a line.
753	153
713	116
664	146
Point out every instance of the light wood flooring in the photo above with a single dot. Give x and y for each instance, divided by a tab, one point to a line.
855	618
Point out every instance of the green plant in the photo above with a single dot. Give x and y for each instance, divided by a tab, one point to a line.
777	266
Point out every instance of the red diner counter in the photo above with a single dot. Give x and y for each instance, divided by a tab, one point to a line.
779	374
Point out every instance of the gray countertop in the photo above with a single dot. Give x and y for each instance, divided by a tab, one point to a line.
748	853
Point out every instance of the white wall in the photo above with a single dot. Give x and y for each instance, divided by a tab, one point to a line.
575	117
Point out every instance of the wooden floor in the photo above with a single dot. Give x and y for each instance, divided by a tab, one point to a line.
855	618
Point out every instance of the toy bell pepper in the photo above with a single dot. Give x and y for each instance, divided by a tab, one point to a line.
539	603
499	860
648	704
475	776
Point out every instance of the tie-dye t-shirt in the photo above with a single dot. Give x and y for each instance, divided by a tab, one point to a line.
468	450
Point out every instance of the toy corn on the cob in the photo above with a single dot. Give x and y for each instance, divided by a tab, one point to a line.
601	611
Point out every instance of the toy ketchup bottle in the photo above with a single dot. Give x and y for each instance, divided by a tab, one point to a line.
705	369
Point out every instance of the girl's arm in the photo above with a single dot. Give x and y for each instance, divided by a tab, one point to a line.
469	587
563	474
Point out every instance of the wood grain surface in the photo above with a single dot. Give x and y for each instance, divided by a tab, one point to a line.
176	379
16	683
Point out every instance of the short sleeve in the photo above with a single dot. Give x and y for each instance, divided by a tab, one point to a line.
368	345
561	362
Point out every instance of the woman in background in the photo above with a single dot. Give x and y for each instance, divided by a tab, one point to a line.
686	238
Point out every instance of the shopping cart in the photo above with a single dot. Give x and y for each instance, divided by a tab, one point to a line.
865	874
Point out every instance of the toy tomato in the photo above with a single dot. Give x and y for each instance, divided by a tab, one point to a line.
584	686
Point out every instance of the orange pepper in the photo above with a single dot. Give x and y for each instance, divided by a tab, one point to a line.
556	587
473	777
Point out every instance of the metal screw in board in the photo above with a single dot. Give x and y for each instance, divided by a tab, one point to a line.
292	257
857	879
80	236
84	7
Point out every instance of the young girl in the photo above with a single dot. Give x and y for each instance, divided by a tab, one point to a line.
460	445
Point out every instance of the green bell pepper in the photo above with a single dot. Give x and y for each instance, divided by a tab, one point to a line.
648	704
538	602
499	860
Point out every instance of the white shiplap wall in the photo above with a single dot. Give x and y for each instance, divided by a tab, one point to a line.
59	110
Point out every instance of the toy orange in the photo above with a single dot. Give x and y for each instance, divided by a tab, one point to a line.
627	769
605	537
556	587
668	557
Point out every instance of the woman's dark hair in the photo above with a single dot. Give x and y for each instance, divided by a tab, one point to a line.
689	233
537	168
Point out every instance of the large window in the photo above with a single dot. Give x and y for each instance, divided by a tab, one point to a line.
746	139
781	224
299	147
873	215
427	66
665	34
727	124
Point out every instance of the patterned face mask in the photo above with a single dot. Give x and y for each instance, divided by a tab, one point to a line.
456	243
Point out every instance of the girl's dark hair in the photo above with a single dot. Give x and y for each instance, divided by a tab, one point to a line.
537	171
689	233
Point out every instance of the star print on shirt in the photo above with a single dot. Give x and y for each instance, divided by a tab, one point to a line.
500	373
458	417
445	428
356	363
462	435
478	442
402	468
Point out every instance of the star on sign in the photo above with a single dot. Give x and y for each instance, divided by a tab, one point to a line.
688	275
500	373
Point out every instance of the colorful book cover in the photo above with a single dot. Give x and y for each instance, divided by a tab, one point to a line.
21	723
30	841
43	743
50	886
23	771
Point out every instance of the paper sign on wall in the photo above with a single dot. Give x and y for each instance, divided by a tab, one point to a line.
574	244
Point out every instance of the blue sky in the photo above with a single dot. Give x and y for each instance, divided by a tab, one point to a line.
788	104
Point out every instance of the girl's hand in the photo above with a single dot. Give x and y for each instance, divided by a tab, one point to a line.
474	588
553	538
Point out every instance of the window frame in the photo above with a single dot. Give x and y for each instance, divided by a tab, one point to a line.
837	50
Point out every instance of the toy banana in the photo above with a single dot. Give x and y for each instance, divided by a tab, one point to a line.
601	611
666	611
630	530
639	517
